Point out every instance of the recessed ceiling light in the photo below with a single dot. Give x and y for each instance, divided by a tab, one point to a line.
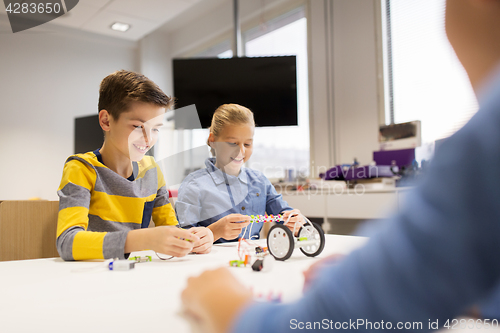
117	26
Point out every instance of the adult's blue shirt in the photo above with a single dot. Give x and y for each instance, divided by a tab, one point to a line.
209	194
432	260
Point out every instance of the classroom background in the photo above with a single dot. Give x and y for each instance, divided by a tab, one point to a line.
361	64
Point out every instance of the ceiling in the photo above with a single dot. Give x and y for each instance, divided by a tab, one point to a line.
144	16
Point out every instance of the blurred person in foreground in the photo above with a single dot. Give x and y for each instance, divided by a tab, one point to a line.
434	259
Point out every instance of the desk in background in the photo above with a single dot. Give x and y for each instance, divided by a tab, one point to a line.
347	204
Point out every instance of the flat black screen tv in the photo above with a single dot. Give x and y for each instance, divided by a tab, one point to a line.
266	85
88	134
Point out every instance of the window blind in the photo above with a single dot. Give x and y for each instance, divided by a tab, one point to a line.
423	74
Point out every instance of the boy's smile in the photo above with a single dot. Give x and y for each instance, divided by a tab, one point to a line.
142	148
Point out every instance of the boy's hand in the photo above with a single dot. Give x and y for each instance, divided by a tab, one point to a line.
229	227
204	245
214	299
295	221
171	240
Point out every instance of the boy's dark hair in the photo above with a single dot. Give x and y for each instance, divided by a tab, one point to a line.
122	87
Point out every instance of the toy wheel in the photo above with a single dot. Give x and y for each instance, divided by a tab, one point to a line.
280	242
314	232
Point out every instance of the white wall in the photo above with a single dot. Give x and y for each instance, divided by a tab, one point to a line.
344	80
355	79
48	76
155	60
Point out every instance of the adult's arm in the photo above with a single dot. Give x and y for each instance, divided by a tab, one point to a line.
430	261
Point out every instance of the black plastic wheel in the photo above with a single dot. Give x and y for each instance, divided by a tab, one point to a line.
317	234
280	242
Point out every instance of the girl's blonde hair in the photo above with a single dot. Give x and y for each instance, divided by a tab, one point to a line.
229	114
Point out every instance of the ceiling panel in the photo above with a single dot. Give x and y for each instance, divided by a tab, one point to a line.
155	10
77	17
95	3
144	16
101	22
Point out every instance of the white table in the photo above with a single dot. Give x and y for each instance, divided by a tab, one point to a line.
50	295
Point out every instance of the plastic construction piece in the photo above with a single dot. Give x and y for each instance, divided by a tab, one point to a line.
240	263
266	218
263	264
281	240
251	253
121	265
139	259
237	263
258	265
312	233
247	247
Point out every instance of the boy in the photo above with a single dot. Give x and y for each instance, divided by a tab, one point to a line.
108	196
432	260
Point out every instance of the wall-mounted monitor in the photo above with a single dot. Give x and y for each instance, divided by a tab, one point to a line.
88	134
266	85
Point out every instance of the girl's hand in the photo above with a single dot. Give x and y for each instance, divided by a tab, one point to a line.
230	226
295	221
204	245
214	299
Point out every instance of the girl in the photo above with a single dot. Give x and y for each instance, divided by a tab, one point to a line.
222	196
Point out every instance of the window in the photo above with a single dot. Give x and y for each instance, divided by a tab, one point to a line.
221	50
276	149
425	80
